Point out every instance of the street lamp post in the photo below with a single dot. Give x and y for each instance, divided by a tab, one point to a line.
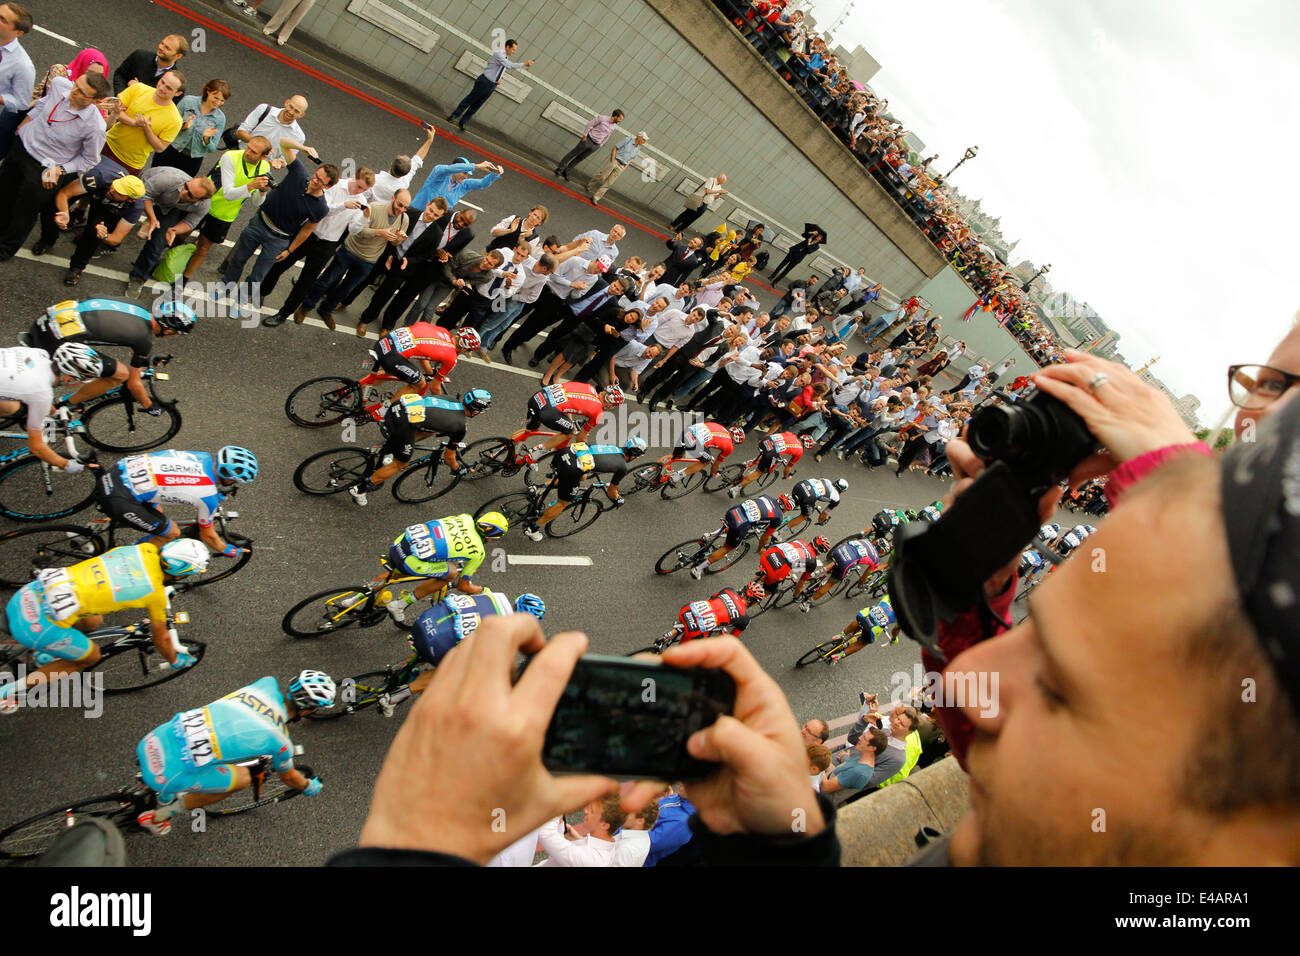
971	152
1043	271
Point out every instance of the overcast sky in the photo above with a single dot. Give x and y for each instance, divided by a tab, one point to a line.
1147	149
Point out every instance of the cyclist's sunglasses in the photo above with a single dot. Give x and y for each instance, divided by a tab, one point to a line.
1258	386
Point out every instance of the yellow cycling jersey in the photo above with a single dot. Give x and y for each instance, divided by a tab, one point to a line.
127	577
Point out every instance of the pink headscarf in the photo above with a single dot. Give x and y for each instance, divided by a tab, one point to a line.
81	62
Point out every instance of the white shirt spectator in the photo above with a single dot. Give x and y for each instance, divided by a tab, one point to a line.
742	370
631	847
530	285
569	271
587	851
520	853
672	331
340	218
386	184
271	127
600	245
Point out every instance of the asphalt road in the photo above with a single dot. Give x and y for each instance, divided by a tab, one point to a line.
231	383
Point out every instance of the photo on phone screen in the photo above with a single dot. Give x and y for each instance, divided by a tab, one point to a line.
631	719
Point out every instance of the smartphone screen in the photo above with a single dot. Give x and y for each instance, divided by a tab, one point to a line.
630	719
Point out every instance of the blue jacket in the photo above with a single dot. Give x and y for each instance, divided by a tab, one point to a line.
439	183
672	830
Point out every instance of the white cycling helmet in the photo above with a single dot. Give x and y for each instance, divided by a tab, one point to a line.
79	361
184	556
312	689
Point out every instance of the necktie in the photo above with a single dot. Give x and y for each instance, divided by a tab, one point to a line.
596	299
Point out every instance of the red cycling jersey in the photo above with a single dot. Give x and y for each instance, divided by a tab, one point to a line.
704	436
780	561
782	443
423	340
725	612
577	398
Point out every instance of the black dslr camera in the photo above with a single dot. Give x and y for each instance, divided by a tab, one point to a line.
938	570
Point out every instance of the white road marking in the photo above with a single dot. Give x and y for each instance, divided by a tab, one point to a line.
566	560
56	36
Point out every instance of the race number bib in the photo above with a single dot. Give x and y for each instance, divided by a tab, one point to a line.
704	616
403	340
700	433
196	736
555	394
752	511
138	475
60	594
583	456
421	544
63	320
878	616
413	405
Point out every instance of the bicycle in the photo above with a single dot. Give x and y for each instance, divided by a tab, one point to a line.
332	399
692	551
128	659
334	470
29	838
523	508
339	608
662	644
788	532
500	456
731	475
34	490
823	651
659	476
27	551
387	688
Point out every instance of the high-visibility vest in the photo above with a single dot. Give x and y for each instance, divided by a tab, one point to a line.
913	745
227	209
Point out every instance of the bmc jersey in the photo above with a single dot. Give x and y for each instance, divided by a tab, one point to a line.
575	398
27	376
439	416
726	612
782	443
128	577
422	340
709	435
799	556
97	320
251	722
453	619
170	478
439	544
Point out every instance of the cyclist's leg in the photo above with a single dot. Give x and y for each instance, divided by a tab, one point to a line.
232	778
564	494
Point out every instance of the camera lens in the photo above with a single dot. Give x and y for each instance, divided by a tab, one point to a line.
995	432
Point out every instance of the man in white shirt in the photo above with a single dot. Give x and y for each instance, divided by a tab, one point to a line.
17	74
593	844
603	244
632	843
401	172
265	120
521	292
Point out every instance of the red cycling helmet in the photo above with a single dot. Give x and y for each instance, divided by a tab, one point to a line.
467	340
755	591
806	441
822	543
738	435
786	502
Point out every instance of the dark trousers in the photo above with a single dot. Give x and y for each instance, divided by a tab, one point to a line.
687	218
152	252
376	274
175	158
393	277
545	313
406	293
839	427
792	259
315	254
606	346
711	388
469	306
89	241
21	197
665	382
576	155
475	98
910	450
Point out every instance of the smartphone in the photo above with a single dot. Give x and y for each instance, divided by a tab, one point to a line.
630	719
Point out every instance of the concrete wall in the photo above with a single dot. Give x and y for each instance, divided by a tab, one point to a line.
643	56
949	296
880	830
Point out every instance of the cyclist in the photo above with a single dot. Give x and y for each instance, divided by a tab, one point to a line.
1033	568
561	407
724	613
409	354
446	551
109	322
709	443
130	492
576	464
52	615
811	492
791	559
773	448
456	617
858	553
409	419
1071	540
930	512
1048	533
766	511
872	624
190	761
28	377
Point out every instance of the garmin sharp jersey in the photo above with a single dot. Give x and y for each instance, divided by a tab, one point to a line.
574	398
27	376
127	577
433	547
451	620
422	340
708	435
724	612
169	477
97	320
251	722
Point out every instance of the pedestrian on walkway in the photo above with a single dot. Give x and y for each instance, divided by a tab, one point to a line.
595	135
487	83
708	191
286	18
619	158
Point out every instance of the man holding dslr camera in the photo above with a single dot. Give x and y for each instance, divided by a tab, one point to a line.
1184	524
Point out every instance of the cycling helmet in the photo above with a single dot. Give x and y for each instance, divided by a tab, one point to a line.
492	525
531	604
755	591
785	501
1090	529
738	436
612	394
184	556
78	361
467	340
634	447
841	484
806	441
236	464
822	543
477	400
312	689
176	316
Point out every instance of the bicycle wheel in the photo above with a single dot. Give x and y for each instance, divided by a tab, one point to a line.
683	487
424	480
731	559
725	478
875	584
219	567
28	550
120	424
517	507
640	479
29	838
679	556
334	470
31	490
542	473
822	652
273	791
787	532
767	478
769	602
490	456
131	662
324	612
366	690
325	401
577	517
